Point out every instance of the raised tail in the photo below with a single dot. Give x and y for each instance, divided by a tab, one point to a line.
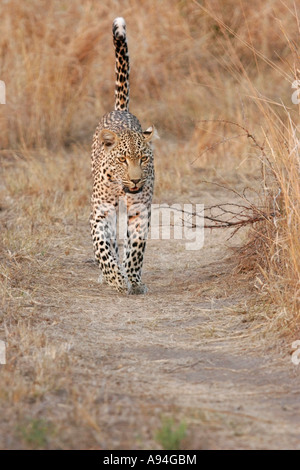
122	65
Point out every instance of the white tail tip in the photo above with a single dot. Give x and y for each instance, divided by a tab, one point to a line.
119	27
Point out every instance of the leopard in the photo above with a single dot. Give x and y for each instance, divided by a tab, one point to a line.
122	164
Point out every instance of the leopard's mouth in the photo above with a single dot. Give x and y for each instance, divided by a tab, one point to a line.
133	190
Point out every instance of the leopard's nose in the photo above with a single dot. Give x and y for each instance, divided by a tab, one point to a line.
136	181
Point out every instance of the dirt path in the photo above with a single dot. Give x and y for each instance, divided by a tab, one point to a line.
189	349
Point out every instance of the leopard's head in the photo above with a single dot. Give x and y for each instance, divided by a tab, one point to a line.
130	155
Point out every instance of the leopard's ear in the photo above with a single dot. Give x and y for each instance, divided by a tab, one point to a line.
108	138
150	133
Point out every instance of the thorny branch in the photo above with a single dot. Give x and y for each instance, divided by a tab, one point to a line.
234	215
228	214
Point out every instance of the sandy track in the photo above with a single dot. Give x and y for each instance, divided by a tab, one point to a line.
189	349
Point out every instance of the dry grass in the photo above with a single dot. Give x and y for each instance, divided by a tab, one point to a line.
274	244
57	62
191	64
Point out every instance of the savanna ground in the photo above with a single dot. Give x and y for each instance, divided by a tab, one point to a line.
203	361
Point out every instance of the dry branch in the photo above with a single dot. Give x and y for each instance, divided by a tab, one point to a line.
234	215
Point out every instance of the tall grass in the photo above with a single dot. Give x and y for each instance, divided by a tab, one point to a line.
274	244
277	241
57	61
283	268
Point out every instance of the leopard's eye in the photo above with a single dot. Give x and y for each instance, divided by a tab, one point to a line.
144	158
122	159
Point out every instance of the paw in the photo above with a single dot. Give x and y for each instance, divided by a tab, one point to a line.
123	290
124	287
137	289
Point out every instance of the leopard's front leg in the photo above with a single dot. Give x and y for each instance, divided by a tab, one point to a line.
104	235
138	222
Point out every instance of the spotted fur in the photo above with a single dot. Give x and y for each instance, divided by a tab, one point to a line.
123	170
